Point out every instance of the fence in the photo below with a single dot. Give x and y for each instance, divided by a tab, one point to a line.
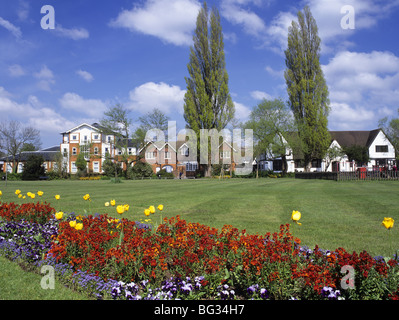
350	176
368	175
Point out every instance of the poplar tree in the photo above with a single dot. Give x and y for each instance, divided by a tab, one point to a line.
306	87
207	102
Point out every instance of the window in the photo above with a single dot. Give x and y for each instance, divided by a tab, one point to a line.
85	150
381	148
225	154
191	166
95	150
150	155
74	169
316	163
95	137
129	151
65	152
184	151
106	150
74	151
74	137
168	155
96	166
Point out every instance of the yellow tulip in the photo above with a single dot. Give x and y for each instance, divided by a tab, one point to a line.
120	209
160	207
57	197
59	215
152	209
1	193
388	223
86	197
107	204
72	223
32	195
40	193
20	196
147	212
79	226
112	202
126	207
296	215
29	194
17	192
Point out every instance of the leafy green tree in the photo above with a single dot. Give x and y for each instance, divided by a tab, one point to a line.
207	102
360	154
109	167
306	87
33	168
391	130
271	122
81	162
141	170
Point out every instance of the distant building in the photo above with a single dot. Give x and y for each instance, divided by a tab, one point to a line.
380	150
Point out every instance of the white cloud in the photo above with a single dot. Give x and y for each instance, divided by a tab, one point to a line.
242	112
85	75
344	117
33	113
44	73
150	95
172	21
364	86
251	22
16	70
260	95
73	33
23	10
275	73
16	31
352	76
46	78
277	30
90	107
328	17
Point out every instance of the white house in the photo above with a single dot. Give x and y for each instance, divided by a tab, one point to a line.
380	149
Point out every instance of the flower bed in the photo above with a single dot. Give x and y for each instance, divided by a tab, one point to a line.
118	258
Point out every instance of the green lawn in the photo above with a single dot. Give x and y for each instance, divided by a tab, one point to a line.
16	284
334	214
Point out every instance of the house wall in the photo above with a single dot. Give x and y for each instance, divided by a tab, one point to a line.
375	156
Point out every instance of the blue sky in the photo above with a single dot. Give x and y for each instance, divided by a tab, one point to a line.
136	53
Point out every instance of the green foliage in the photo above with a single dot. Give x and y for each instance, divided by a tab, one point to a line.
164	174
81	163
270	121
207	102
360	154
33	168
140	170
306	86
109	168
391	130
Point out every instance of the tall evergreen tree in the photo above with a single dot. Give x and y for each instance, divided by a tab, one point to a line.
306	87
207	102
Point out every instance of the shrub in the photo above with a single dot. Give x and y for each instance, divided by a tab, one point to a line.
33	168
